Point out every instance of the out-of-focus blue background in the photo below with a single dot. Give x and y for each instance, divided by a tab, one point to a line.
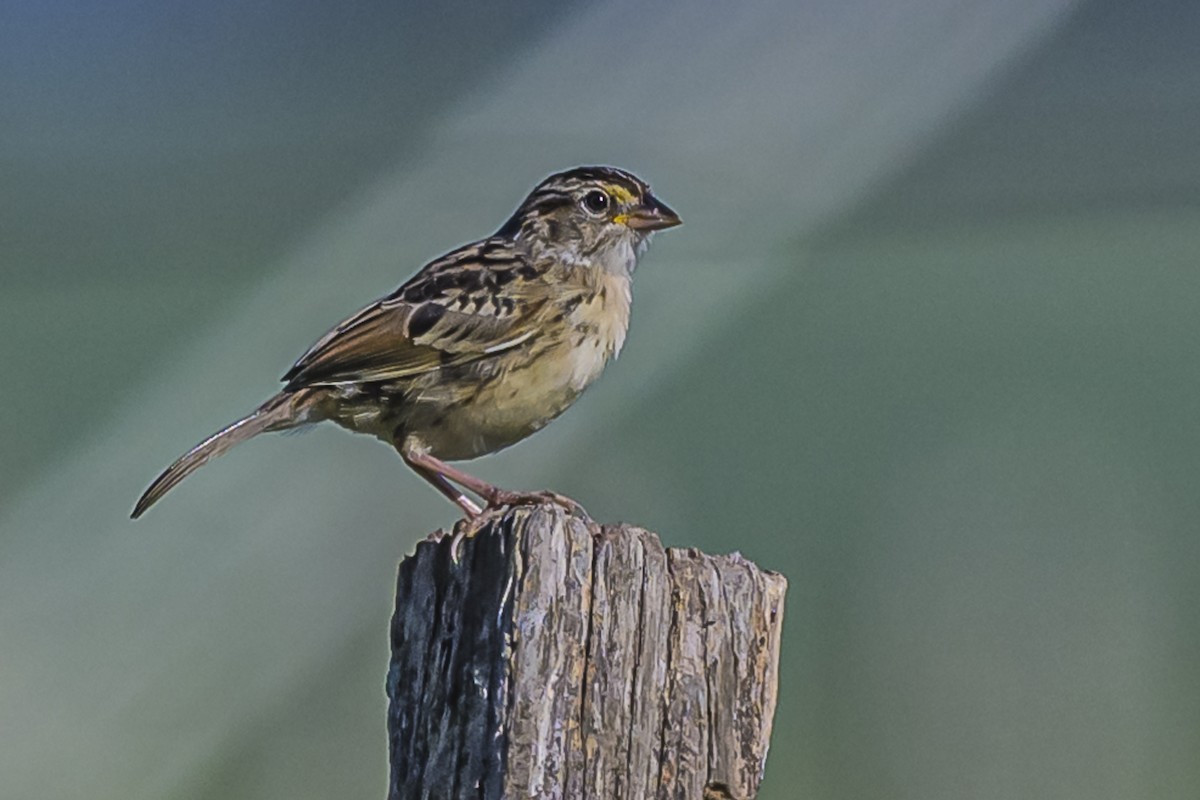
927	344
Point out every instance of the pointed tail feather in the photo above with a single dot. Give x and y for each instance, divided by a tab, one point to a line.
284	410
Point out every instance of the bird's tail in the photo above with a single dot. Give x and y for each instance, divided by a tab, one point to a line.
284	410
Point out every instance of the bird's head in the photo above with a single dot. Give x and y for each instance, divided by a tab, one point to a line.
590	216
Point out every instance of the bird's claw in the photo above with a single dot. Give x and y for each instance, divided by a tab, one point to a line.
472	524
464	529
503	497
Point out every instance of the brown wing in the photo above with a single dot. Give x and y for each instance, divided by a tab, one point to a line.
473	302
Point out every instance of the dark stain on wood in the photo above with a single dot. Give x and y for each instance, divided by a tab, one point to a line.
562	659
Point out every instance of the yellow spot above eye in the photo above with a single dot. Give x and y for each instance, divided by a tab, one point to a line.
620	193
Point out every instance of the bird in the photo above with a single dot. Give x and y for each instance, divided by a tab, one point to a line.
481	347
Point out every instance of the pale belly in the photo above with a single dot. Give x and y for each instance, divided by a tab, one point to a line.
512	404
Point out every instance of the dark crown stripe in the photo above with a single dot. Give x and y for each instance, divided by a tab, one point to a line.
563	188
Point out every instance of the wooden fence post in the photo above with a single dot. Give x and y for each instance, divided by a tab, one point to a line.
561	659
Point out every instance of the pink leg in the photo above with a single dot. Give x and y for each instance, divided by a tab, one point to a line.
439	482
429	467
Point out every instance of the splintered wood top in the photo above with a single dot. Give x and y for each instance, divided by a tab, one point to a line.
561	659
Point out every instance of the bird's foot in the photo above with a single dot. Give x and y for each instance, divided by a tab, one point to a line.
504	497
465	528
496	498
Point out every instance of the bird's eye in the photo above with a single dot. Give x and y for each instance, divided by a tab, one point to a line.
596	201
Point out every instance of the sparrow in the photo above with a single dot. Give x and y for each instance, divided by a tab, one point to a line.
481	347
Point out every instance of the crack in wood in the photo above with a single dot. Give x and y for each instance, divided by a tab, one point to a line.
560	659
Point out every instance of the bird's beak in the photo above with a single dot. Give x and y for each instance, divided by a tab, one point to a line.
652	215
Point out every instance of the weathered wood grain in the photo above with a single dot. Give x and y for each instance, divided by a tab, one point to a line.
560	659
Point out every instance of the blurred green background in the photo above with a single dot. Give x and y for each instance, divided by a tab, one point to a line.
926	344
